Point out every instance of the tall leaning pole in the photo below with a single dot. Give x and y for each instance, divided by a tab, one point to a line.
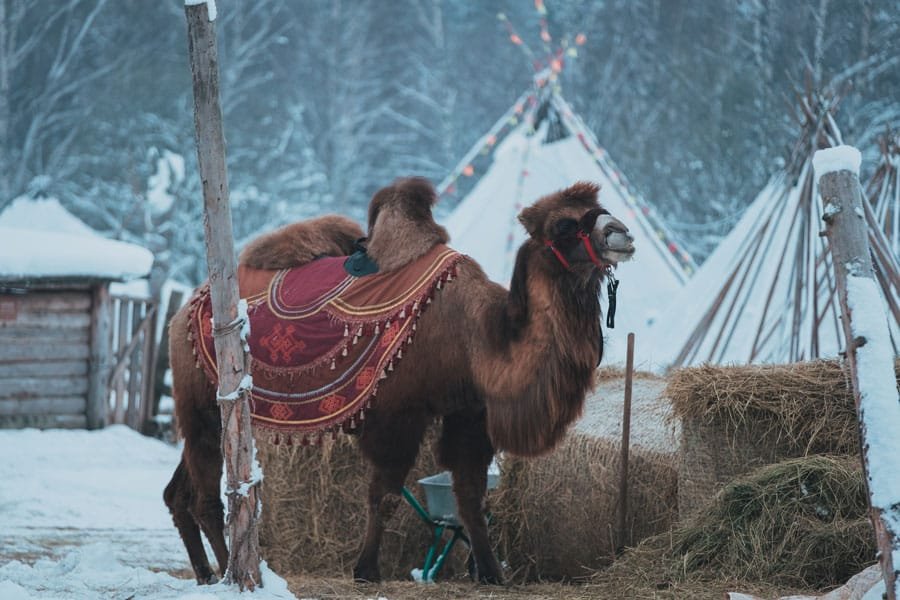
870	354
230	324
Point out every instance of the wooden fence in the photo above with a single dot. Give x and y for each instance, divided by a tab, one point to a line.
134	350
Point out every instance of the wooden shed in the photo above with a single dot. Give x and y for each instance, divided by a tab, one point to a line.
63	336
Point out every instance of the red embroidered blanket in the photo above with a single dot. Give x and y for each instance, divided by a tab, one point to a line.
321	339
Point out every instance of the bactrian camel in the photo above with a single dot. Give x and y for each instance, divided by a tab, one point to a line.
503	369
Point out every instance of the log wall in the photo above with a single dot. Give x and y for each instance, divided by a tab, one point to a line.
45	349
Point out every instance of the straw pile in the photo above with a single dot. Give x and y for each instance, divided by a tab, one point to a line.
797	525
799	522
737	418
314	512
554	517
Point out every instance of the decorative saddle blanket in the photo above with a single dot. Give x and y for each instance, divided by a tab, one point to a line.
322	339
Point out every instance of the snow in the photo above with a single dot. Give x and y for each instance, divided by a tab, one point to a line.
652	425
879	399
89	504
485	225
41	239
169	172
136	288
838	158
210	6
245	385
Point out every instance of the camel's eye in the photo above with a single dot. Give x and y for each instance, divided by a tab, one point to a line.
564	228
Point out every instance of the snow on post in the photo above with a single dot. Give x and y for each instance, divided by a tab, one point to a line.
229	314
210	7
869	349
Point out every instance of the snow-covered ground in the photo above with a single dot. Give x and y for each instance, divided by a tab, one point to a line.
82	517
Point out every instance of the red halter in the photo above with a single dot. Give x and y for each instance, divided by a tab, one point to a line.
586	240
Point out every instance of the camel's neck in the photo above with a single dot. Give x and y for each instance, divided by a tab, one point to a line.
541	349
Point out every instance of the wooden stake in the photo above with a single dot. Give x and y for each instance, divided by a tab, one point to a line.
847	235
626	441
231	359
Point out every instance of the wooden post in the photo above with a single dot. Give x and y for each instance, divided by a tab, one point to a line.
98	386
134	367
626	441
241	470
869	352
148	354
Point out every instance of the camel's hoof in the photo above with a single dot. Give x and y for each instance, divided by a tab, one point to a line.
490	579
366	575
210	579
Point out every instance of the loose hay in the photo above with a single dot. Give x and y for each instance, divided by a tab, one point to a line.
554	517
314	512
796	526
801	522
736	418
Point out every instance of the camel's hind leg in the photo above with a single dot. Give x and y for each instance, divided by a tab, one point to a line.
178	498
390	443
201	467
466	451
204	456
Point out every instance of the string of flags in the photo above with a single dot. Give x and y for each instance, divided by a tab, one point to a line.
547	72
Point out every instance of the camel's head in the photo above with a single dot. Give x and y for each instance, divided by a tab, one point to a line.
577	230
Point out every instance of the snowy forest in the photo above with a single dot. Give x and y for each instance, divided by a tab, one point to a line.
326	101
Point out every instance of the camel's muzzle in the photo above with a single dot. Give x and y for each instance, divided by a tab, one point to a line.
618	244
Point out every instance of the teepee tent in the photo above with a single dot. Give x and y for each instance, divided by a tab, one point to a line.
767	293
541	146
883	191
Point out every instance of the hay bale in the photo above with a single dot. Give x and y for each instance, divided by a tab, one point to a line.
554	516
801	522
314	512
736	418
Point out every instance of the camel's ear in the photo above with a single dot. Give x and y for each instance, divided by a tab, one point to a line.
533	220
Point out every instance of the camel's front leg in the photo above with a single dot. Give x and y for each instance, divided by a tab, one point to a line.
466	451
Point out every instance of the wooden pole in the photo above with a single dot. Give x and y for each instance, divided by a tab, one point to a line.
101	346
241	471
869	356
626	441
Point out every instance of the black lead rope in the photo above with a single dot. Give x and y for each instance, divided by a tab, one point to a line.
612	285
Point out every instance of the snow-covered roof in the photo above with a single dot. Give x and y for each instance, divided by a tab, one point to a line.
42	240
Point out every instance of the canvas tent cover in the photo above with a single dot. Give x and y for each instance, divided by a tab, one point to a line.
525	167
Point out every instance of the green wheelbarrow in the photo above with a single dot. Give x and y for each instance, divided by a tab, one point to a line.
441	516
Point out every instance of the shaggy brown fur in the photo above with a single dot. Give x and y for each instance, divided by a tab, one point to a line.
299	243
401	227
506	370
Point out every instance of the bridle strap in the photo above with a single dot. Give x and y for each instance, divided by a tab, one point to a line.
559	255
586	240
